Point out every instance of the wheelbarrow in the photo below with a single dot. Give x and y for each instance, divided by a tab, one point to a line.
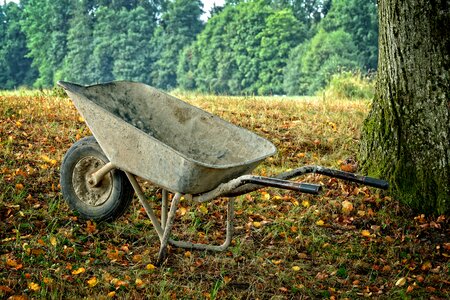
139	131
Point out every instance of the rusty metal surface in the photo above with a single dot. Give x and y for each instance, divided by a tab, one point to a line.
165	140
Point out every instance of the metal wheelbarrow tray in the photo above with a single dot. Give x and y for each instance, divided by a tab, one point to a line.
141	131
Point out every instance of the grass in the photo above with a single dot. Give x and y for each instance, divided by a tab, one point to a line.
286	245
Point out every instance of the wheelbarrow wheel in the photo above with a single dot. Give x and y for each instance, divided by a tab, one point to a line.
104	202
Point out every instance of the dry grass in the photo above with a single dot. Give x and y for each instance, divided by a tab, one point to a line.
286	245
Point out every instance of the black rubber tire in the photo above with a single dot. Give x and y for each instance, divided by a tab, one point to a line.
115	200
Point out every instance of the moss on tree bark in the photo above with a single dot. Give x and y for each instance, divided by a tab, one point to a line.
406	137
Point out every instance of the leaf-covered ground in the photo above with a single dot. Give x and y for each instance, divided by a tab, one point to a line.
349	242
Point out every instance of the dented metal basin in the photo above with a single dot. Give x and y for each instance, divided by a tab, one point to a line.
164	140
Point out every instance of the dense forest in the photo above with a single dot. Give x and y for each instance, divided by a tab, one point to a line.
260	47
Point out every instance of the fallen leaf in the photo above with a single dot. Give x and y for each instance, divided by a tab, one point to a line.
181	211
6	289
257	224
47	280
401	282
320	223
19	186
33	286
347	207
139	283
226	279
92	281
137	258
365	233
426	266
111	294
296	268
78	271
150	267
11	263
53	241
305	203
265	196
90	227
203	209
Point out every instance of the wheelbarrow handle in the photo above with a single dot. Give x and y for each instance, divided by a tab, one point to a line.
284	184
370	181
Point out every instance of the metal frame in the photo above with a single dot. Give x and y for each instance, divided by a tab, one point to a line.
164	227
238	186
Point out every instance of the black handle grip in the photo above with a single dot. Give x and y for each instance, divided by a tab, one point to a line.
375	182
285	184
370	181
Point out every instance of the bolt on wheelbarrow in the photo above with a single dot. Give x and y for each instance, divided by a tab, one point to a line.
139	131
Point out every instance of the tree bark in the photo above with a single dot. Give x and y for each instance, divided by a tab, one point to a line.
406	137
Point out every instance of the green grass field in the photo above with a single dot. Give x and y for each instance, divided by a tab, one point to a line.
348	242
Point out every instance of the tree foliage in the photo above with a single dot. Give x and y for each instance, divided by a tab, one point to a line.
15	67
179	26
247	46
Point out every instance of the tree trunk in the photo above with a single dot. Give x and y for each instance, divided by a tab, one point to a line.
406	137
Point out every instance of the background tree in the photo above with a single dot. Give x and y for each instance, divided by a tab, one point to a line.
179	26
77	64
407	133
45	24
15	68
313	64
281	33
359	19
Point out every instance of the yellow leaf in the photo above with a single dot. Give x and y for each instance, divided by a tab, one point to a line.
150	267
111	294
45	158
296	268
347	207
182	211
401	282
11	263
92	281
265	196
203	209
34	286
139	283
257	224
18	124
320	223
78	271
19	186
80	118
306	203
53	241
187	254
365	233
226	279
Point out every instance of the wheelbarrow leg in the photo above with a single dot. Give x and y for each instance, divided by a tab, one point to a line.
165	195
168	228
226	243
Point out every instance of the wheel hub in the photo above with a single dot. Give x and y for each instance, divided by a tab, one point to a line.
91	195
